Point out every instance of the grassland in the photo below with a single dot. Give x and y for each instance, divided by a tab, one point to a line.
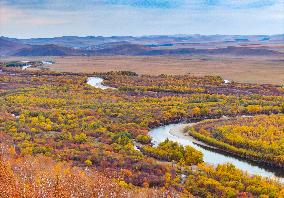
241	69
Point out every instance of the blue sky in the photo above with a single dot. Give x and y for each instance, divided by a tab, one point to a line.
49	18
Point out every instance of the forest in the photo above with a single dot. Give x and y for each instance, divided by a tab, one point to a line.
56	121
259	137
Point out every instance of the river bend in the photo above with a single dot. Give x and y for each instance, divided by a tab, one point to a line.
175	132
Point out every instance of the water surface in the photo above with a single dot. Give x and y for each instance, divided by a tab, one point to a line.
97	82
174	132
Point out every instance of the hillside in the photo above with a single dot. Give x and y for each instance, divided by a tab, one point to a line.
237	51
81	42
123	49
48	50
9	47
144	46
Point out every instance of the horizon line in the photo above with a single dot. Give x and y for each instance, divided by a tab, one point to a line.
140	36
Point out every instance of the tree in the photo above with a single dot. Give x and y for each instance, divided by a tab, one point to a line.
196	111
80	138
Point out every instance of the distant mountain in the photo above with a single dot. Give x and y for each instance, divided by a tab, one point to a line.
144	46
236	51
48	50
123	49
140	50
245	51
85	42
8	47
75	41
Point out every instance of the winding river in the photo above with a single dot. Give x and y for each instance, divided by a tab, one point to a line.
175	132
212	156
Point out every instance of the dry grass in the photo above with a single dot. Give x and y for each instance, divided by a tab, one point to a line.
241	69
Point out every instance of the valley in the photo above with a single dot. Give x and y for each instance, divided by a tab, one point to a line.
77	119
141	99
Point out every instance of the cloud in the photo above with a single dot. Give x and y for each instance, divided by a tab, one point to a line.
250	4
162	4
14	16
86	4
45	18
9	14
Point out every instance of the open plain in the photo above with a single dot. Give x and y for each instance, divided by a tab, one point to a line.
252	69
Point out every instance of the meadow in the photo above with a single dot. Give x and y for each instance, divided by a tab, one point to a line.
246	69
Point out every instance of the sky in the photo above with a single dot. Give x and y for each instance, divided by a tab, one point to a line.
51	18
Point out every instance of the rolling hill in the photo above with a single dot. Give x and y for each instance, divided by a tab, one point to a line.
48	50
8	47
143	46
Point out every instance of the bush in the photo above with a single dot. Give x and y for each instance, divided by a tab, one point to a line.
88	162
144	139
122	138
172	151
80	138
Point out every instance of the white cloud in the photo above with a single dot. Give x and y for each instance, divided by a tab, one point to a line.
102	19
